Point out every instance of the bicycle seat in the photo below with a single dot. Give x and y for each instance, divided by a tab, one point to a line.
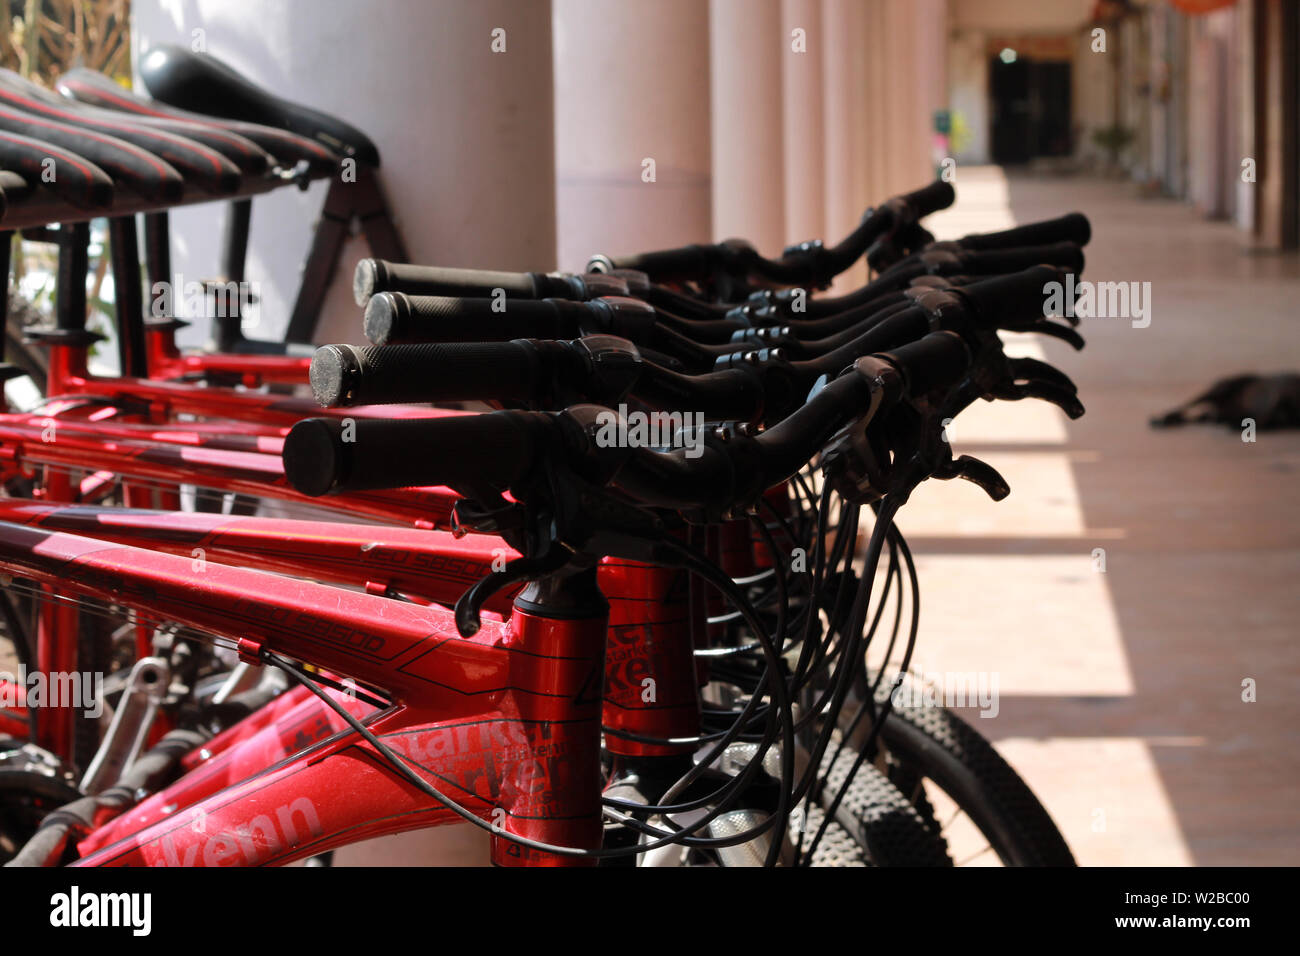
203	84
247	156
205	168
137	169
288	149
76	180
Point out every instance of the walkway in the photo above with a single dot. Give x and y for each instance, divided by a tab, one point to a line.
1122	692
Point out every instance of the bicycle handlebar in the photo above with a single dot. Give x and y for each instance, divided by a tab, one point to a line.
1016	298
994	261
373	276
1072	227
501	449
349	375
746	383
320	459
394	318
809	264
930	198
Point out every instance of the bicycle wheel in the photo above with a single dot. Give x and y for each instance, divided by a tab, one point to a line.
874	825
944	765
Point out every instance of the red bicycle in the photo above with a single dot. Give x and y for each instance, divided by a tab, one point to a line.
532	681
503	725
784	730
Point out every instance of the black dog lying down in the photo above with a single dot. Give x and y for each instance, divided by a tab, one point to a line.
1273	401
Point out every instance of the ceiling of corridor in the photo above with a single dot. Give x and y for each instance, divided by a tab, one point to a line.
1020	16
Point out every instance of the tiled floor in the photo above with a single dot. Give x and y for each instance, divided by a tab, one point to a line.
1121	692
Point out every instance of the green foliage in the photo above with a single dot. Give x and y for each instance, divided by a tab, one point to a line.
959	136
43	39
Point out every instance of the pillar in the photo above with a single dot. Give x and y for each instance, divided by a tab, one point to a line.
632	136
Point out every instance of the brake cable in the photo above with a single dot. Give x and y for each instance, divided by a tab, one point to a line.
885	511
852	641
400	766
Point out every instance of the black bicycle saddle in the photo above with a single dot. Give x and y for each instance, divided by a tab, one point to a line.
203	84
76	180
95	89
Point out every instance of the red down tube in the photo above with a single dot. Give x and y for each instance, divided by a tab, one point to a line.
507	719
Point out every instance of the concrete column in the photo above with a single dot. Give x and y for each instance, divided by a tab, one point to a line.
844	88
1277	179
930	47
884	74
632	130
465	134
909	43
884	85
1243	108
803	130
746	56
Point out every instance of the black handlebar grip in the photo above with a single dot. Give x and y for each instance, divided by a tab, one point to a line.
1072	227
346	375
394	318
686	262
1066	255
327	455
1019	297
373	276
937	360
929	199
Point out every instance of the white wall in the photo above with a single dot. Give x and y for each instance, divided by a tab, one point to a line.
419	78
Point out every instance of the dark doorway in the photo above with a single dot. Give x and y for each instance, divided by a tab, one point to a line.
1050	109
1009	113
1030	112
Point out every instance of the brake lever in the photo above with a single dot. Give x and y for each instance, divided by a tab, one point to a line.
575	520
1029	369
1052	329
1070	318
977	472
469	606
1062	398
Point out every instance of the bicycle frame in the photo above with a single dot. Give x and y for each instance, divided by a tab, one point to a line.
651	632
167	361
508	720
84	439
174	463
68	377
651	629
